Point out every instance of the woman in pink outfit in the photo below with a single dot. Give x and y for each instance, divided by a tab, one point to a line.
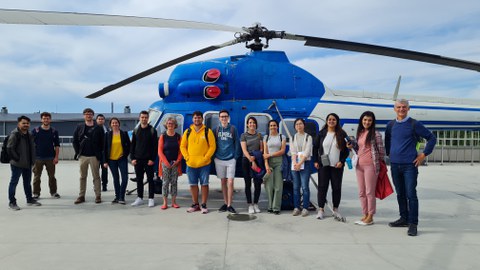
371	152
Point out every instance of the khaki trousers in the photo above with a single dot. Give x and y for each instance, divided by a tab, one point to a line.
94	164
37	172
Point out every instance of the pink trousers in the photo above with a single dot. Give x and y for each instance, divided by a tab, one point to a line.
367	182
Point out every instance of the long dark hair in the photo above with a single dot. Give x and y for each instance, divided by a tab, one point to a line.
371	129
339	133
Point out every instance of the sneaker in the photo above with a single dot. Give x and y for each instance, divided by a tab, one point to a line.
320	214
412	229
138	201
398	223
121	202
276	212
204	209
296	212
231	210
304	212
194	208
79	200
36	196
55	196
13	206
256	208
104	188
115	201
270	211
33	202
223	208
151	202
251	210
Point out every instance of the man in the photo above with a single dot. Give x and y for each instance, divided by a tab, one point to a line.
47	148
227	152
143	152
400	145
88	146
197	147
21	149
100	119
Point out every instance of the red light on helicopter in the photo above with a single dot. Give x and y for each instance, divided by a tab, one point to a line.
211	75
211	92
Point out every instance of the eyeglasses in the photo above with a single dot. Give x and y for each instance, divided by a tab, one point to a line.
223	116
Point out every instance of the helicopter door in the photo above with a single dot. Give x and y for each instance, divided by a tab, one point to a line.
210	119
262	122
180	121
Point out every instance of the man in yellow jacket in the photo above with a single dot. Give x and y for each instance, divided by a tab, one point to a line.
197	147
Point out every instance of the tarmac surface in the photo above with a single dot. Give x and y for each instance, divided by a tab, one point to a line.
61	235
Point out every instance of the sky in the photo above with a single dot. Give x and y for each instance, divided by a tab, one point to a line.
53	68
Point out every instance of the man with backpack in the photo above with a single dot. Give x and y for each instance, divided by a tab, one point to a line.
197	147
88	146
47	148
227	152
400	145
21	151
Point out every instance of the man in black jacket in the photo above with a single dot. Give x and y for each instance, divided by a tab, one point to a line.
21	149
88	145
143	153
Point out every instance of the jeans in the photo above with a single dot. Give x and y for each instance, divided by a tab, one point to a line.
405	181
301	179
198	175
120	187
26	174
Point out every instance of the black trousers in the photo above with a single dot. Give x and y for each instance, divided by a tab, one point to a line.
329	175
246	164
141	168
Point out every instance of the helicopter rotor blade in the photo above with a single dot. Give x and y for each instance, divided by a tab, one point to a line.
37	17
384	51
157	68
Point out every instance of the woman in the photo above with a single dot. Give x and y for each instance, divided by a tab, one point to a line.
370	153
116	150
170	156
301	150
251	141
274	147
330	147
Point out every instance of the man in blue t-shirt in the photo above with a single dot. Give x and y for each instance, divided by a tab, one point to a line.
47	148
400	145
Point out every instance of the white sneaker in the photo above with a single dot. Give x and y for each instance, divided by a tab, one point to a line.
320	214
251	210
304	212
296	212
151	202
256	208
138	201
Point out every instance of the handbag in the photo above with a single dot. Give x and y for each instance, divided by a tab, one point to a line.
325	159
157	185
383	188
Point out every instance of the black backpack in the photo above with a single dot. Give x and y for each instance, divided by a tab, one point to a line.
4	157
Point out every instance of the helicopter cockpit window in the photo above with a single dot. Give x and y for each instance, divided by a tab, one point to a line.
211	120
161	128
262	122
153	116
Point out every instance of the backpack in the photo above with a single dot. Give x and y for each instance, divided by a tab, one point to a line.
189	130
416	138
4	156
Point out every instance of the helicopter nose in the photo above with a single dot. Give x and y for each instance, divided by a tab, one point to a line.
163	90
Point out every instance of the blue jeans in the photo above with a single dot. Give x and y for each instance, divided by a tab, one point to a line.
115	167
301	179
196	175
405	181
27	179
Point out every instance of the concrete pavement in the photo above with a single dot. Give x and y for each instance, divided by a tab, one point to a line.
61	235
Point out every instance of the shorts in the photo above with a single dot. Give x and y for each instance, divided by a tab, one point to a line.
198	175
225	168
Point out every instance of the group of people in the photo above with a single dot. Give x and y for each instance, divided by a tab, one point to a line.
262	160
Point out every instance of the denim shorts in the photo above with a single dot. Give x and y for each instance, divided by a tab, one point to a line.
198	175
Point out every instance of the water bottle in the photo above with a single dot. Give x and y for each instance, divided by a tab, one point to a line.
349	163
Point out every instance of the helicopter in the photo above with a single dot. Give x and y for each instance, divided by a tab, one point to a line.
263	83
